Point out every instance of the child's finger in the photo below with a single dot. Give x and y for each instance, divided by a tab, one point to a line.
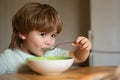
79	39
89	46
85	45
83	41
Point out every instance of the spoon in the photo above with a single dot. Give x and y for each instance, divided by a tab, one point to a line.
48	49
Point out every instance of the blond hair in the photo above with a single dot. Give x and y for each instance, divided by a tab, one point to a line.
34	16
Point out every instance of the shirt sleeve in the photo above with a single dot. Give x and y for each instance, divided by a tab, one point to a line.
3	63
58	52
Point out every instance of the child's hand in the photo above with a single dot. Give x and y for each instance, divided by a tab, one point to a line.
82	53
83	43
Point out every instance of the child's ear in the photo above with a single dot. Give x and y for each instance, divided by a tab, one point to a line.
22	36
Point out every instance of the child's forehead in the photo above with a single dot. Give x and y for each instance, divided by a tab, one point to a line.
51	32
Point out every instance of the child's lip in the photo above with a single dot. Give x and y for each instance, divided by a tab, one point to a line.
43	49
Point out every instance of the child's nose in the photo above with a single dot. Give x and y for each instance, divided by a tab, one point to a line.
47	42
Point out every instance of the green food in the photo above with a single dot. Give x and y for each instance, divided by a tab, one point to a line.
49	58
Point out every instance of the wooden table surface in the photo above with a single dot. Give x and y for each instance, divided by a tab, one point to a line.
80	73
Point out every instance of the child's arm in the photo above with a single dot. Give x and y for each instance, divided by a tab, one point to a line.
83	50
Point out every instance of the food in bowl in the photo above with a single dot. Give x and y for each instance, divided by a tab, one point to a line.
50	65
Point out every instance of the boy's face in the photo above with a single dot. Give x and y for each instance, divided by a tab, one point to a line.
35	41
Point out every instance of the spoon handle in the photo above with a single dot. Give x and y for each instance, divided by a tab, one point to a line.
62	43
48	49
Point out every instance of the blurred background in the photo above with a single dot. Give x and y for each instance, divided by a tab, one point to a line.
99	20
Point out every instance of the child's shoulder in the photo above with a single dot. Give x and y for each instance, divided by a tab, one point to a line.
14	52
7	52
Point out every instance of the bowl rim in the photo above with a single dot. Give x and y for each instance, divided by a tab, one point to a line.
45	58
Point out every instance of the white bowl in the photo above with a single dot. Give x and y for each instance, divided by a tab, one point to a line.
50	65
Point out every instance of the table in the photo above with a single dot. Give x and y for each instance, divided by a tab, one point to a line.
80	73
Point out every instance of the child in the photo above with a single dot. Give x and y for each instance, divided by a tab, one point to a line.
35	26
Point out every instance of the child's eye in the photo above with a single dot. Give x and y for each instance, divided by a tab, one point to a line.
43	34
54	35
